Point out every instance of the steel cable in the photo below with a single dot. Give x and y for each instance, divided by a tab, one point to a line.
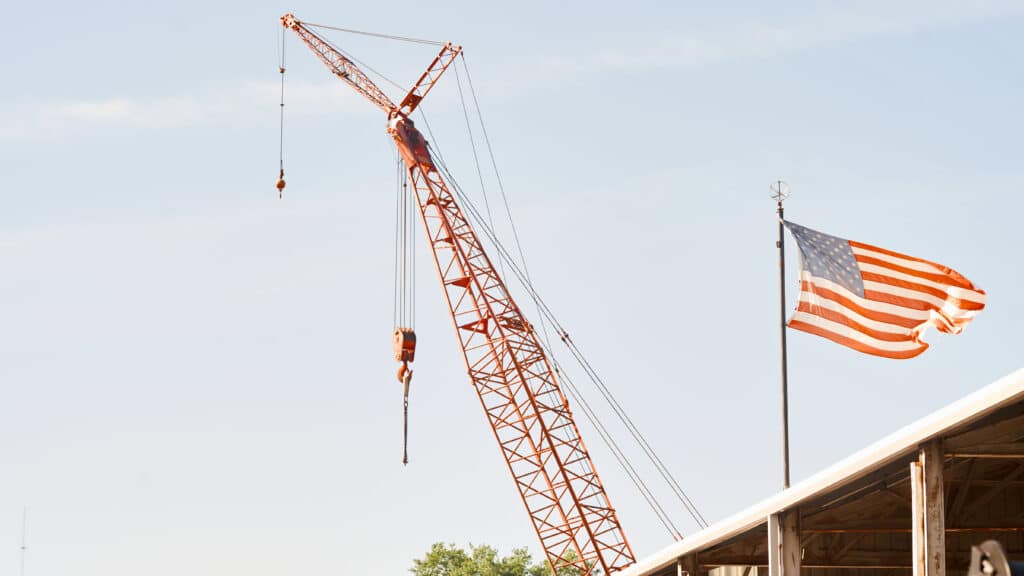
376	34
577	354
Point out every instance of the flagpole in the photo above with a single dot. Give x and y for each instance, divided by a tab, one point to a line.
780	191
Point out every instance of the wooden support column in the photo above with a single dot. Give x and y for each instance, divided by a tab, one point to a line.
774	546
932	459
791	549
917	554
928	517
687	565
784	544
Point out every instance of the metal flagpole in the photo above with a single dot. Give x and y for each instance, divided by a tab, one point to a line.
780	191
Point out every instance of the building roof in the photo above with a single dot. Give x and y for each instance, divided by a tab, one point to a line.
987	425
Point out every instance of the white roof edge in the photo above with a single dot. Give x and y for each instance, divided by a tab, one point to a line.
1004	391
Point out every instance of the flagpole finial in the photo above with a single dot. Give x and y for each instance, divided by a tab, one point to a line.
780	191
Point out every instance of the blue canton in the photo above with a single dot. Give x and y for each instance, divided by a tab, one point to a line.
828	257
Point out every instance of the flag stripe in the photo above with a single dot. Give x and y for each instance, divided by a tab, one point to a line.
918	278
865	259
951	275
848	332
894	254
813	325
841	315
810	303
921	291
881	311
913	298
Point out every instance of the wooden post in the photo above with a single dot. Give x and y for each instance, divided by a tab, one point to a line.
680	569
691	564
932	458
784	544
791	550
917	554
774	546
928	515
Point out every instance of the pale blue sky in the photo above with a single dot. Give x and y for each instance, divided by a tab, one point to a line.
196	377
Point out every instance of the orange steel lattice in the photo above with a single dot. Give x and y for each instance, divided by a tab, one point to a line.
527	410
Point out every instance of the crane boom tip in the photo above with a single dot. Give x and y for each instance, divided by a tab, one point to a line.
289	21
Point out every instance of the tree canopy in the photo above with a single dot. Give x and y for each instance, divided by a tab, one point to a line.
450	560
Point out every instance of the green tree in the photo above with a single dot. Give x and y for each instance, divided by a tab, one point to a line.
449	560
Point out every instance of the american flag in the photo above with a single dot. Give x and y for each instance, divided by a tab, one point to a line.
875	300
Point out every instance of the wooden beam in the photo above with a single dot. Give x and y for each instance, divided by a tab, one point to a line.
791	550
961	493
949	530
1009	429
774	545
990	450
989	455
986	497
895	498
917	554
932	461
838	554
784	550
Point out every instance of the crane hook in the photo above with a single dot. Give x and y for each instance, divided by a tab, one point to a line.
404	342
280	184
405	377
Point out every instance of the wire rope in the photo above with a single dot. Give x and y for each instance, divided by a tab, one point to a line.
280	142
377	34
577	354
576	395
591	416
476	158
281	68
501	188
494	164
663	470
398	228
363	65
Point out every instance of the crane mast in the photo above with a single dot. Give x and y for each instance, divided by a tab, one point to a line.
506	363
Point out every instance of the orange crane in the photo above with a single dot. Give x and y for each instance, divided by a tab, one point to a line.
513	377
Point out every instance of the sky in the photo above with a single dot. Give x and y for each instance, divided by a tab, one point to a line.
196	376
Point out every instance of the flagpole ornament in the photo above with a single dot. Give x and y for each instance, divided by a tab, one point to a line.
780	191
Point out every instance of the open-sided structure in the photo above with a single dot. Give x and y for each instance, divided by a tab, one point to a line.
913	502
